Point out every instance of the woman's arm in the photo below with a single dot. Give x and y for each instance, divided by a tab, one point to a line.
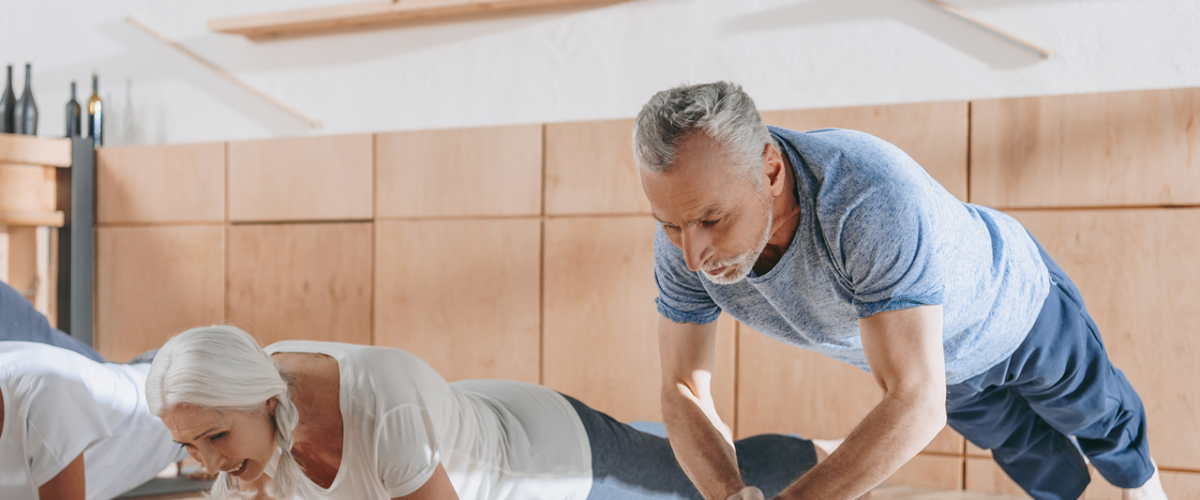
69	484
438	487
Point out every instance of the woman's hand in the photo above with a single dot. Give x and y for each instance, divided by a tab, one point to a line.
748	493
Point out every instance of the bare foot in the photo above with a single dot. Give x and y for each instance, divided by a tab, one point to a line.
1152	490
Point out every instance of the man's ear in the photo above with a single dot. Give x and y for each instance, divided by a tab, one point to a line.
773	170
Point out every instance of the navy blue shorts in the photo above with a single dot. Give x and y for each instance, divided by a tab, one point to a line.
1057	385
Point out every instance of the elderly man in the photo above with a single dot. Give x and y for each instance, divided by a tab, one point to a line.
838	242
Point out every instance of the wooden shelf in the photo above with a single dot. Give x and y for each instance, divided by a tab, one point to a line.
31	150
368	15
53	219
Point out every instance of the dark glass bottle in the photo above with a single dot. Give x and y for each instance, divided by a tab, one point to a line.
8	107
27	113
96	114
74	115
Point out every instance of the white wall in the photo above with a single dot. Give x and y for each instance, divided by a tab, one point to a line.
582	64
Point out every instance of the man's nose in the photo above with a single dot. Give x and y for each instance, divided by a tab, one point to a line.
695	246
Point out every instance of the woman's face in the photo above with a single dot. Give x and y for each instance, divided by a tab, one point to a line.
232	441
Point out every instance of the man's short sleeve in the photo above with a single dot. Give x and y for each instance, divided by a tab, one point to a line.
62	422
408	449
681	295
884	237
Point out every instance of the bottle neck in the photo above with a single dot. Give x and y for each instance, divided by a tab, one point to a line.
72	91
28	76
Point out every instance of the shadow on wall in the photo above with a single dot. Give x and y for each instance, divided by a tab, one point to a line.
994	50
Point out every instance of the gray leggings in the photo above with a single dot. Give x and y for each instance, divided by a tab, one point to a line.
630	464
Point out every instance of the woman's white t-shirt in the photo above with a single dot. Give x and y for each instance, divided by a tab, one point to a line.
58	404
496	439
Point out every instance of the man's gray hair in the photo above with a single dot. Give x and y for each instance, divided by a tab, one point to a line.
721	111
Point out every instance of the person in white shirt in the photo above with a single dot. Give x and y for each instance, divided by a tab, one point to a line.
72	428
307	419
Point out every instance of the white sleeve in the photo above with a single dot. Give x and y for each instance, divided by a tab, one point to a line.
63	421
408	449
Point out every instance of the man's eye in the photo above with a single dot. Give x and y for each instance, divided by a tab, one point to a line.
670	228
710	223
218	436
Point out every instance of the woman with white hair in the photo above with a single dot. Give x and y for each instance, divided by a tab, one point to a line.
328	420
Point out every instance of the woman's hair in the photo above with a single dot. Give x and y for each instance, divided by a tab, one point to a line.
223	368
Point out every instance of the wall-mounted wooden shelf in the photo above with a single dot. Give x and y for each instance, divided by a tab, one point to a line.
31	150
52	219
370	15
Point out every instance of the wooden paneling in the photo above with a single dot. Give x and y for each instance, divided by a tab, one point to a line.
33	150
930	471
470	310
153	282
301	281
182	183
984	476
600	324
1137	271
1181	484
590	169
27	188
1129	148
301	178
481	171
933	134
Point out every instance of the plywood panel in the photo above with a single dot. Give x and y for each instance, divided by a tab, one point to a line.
27	188
590	169
178	183
984	476
301	178
599	306
933	134
469	310
930	471
1137	271
153	282
301	281
1181	484
479	171
1128	148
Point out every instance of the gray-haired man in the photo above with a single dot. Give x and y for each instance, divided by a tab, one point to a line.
838	242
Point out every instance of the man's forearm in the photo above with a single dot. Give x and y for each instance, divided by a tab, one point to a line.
892	434
701	443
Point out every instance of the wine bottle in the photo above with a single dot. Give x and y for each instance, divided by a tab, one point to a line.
8	107
96	114
74	115
27	113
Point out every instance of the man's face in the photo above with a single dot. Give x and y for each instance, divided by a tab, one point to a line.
715	215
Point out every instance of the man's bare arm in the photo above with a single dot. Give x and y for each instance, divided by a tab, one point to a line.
702	443
904	351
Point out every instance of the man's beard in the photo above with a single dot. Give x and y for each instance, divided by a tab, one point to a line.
741	264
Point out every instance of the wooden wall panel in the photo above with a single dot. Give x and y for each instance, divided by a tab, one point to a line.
782	388
590	169
301	281
1138	273
1129	148
182	183
930	471
464	172
598	298
153	282
984	476
933	134
301	178
469	310
27	188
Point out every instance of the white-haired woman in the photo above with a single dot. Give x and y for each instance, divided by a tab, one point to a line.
329	420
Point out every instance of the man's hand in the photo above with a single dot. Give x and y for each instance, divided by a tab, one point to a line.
748	493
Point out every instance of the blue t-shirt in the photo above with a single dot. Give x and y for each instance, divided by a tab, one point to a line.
876	233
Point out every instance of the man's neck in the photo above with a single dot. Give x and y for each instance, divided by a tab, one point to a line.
786	220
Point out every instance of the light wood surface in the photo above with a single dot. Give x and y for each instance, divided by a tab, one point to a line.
933	134
1129	148
599	306
33	150
176	183
53	219
984	476
461	172
590	169
930	471
153	282
27	188
365	15
301	179
1137	271
470	310
301	281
